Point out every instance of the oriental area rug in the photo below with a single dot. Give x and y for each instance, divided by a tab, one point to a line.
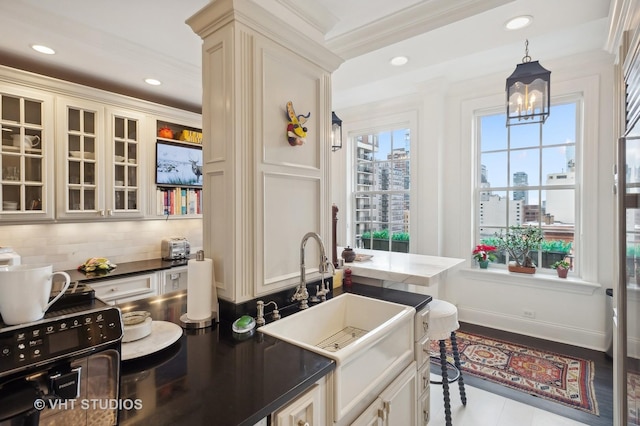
563	379
633	395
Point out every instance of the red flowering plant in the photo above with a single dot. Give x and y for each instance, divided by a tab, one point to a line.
484	252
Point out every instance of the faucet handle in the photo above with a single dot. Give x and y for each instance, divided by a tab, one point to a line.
260	315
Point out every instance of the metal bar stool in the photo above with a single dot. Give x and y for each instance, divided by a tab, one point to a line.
443	323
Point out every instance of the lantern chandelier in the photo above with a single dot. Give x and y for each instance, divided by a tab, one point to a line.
528	92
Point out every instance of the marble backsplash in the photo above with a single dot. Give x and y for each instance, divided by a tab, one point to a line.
68	245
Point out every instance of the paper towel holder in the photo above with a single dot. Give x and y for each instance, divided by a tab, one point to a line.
189	323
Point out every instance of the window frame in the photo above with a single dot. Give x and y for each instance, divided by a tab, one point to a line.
574	98
390	126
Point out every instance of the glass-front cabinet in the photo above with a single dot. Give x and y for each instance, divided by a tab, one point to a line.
125	171
26	156
101	157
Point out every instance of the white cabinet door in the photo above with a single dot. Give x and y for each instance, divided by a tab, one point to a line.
372	416
396	405
26	154
100	161
125	164
307	410
80	142
400	398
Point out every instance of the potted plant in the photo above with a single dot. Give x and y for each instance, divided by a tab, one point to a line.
483	253
562	268
519	241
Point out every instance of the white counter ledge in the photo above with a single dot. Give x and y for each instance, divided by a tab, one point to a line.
416	269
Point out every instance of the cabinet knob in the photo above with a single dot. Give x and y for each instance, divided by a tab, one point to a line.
101	212
110	212
302	423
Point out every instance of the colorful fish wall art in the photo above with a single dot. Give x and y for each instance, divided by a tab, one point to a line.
296	132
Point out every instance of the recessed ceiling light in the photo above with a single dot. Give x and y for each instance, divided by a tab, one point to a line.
398	61
518	22
152	81
43	49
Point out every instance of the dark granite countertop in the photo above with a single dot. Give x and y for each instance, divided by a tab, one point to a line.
209	377
125	269
418	301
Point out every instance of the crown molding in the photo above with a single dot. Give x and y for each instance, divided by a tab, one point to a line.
407	23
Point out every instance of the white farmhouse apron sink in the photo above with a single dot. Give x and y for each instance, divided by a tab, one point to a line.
371	341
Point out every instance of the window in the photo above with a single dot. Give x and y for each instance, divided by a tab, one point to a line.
381	195
527	176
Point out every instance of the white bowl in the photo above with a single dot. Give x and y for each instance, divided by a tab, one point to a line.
119	183
137	325
9	205
119	158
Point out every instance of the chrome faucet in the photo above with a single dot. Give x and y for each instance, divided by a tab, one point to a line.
302	295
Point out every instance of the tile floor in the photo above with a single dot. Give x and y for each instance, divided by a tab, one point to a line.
488	409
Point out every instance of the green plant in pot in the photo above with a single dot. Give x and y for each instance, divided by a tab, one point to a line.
562	268
519	241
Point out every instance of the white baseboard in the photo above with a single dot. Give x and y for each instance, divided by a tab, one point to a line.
530	327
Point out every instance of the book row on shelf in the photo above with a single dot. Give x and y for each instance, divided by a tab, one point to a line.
178	201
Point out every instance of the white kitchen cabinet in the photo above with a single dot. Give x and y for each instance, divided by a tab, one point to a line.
26	155
100	159
174	279
309	409
396	405
127	289
422	354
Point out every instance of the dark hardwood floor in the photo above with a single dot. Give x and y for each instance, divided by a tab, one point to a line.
603	379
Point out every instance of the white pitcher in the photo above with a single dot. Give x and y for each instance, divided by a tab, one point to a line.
26	140
25	291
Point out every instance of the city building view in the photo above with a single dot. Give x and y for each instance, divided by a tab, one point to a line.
382	184
534	170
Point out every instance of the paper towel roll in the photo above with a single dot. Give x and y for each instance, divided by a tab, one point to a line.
199	282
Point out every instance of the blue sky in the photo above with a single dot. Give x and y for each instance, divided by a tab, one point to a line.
558	137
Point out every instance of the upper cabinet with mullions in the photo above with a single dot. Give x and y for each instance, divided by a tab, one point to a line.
26	155
100	161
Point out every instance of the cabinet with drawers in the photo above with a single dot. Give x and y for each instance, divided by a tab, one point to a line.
422	365
127	289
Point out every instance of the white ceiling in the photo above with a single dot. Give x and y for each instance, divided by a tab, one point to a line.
117	43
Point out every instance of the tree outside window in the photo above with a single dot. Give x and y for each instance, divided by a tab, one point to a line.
527	176
381	196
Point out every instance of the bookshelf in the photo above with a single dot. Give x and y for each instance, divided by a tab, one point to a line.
175	200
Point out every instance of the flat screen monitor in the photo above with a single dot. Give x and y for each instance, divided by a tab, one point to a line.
178	164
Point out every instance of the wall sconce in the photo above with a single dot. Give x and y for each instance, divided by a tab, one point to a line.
336	132
528	92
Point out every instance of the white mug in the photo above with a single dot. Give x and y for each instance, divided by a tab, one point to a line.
25	291
26	140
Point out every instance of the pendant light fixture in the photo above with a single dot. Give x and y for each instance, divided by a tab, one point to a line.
336	132
528	92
